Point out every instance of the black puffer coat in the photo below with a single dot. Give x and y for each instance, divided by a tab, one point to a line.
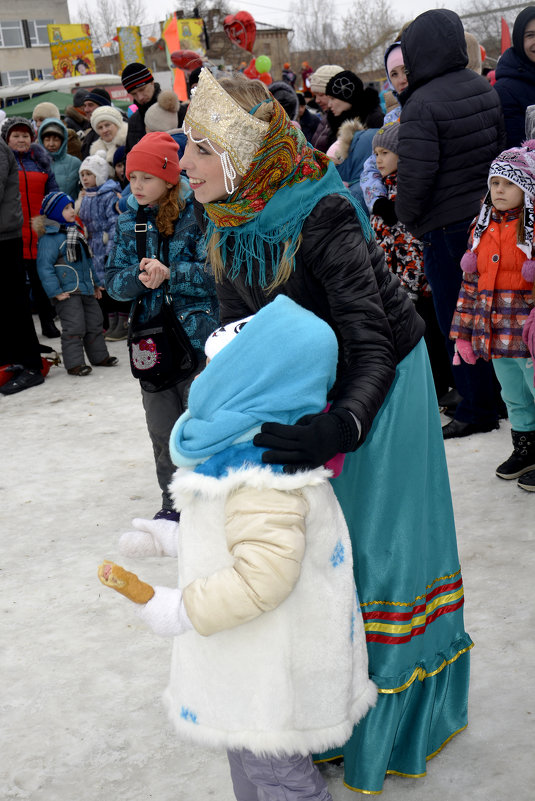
451	127
345	281
515	81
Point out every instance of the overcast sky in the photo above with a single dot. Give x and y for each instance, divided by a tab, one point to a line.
278	12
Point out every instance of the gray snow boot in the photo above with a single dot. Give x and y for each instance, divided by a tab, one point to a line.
112	324
522	459
120	331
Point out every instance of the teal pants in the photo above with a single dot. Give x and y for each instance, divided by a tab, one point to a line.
518	393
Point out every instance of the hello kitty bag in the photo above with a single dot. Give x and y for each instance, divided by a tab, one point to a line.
161	354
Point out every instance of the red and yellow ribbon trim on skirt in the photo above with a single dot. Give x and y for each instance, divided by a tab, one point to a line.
385	624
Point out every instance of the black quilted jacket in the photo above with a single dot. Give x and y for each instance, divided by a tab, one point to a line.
345	281
451	127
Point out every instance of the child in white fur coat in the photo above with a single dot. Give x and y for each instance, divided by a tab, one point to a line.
269	659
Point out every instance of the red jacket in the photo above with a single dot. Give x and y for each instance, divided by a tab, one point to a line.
36	179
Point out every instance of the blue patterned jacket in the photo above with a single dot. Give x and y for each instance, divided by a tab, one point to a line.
191	285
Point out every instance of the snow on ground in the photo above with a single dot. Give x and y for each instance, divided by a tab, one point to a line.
82	678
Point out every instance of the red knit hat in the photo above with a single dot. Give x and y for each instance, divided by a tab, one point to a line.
156	154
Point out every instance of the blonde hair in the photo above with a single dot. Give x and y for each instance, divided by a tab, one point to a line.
170	207
248	94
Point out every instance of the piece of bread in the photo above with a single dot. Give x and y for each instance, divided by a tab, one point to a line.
128	584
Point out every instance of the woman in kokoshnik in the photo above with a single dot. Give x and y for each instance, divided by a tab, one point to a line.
278	219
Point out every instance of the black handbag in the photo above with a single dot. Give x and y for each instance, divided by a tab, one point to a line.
161	354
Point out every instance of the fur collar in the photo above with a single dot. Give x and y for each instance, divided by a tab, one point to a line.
186	482
347	131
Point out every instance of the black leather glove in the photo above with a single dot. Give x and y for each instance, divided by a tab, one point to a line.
311	442
385	208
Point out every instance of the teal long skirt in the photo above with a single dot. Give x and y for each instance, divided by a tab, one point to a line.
396	498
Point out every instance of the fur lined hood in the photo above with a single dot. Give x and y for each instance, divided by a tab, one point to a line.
39	224
347	131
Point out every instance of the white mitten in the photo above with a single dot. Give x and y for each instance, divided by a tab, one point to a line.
165	613
150	538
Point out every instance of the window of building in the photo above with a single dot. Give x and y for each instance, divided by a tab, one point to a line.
38	31
11	33
15	77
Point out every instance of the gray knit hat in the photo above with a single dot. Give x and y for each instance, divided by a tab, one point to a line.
16	122
322	76
387	137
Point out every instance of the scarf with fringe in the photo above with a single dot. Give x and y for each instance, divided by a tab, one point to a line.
286	180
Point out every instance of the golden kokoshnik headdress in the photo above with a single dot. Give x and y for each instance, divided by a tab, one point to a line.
213	113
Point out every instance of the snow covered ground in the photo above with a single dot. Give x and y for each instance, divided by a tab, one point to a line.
82	678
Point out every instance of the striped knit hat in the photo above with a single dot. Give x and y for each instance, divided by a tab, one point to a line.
135	75
53	205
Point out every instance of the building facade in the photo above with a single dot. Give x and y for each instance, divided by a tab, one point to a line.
24	47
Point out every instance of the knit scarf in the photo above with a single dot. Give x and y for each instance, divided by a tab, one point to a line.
286	180
75	239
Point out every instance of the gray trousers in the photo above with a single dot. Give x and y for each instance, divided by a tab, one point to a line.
289	778
81	328
162	410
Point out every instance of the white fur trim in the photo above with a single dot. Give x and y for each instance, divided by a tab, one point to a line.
186	482
275	743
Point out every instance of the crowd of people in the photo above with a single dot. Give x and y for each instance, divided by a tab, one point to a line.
344	265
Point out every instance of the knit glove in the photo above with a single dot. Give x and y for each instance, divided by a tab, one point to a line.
150	538
385	208
311	442
165	613
464	349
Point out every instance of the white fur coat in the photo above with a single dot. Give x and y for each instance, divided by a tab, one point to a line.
110	147
294	679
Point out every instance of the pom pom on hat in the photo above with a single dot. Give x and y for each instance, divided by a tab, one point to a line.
98	165
163	115
528	270
155	154
106	114
469	262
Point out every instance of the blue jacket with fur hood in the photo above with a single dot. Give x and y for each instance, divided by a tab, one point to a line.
56	272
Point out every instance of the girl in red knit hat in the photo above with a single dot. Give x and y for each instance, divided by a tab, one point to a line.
162	202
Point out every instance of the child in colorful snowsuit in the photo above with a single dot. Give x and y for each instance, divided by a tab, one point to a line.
97	208
403	252
64	266
496	298
265	616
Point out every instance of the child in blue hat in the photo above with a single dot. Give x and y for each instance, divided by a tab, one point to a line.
65	269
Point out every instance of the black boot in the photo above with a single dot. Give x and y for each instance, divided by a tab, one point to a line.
527	482
522	459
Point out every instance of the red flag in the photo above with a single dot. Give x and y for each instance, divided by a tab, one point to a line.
506	36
